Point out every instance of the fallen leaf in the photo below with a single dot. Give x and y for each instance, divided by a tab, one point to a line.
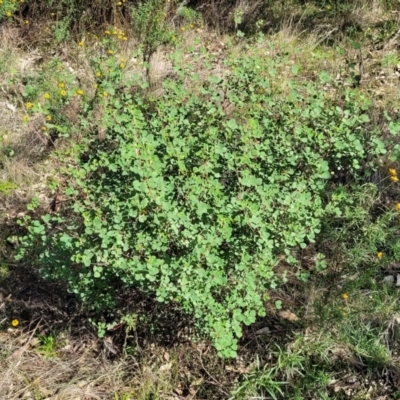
11	107
288	315
109	345
197	382
165	367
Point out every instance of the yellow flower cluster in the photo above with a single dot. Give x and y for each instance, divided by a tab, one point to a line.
379	254
393	175
183	28
118	33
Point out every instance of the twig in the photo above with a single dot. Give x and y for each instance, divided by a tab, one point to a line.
212	378
324	37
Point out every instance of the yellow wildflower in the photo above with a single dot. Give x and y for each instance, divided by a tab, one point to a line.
29	104
63	93
379	254
46	96
394	178
61	85
79	92
48	118
105	94
119	3
120	37
183	28
398	206
110	52
80	44
95	85
26	118
124	38
26	22
44	129
107	32
392	171
122	65
98	74
345	296
8	13
115	32
15	323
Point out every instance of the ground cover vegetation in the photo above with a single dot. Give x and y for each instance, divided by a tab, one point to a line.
199	200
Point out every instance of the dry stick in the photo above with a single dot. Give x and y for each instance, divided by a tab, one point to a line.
212	378
25	346
324	37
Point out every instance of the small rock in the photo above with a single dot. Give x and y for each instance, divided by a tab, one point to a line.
388	279
262	331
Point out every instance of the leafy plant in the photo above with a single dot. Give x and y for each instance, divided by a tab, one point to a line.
192	202
7	9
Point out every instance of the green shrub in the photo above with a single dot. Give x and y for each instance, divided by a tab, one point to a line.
150	26
194	195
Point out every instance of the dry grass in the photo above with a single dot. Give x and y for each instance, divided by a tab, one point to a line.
84	369
21	149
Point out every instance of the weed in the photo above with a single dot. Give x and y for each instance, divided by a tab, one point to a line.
259	383
47	346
